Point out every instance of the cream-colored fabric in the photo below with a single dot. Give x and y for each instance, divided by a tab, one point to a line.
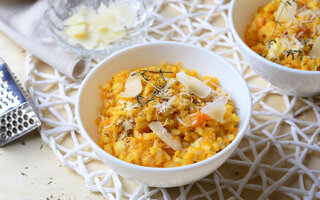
22	21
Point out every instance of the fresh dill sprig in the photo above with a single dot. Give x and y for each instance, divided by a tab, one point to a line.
145	71
292	53
154	94
299	53
304	42
270	43
139	98
164	79
288	2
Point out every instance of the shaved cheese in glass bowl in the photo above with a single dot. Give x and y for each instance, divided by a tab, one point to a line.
97	28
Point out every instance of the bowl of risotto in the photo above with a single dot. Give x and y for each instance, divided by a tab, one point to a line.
164	114
280	39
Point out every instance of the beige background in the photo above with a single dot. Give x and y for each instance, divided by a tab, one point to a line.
45	176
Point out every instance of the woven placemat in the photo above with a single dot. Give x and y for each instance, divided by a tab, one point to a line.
278	159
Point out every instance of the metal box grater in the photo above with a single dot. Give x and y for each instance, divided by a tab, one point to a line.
17	112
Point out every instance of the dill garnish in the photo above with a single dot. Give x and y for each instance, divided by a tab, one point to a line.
164	79
144	71
145	77
154	94
270	43
157	88
139	98
299	53
288	2
304	42
292	52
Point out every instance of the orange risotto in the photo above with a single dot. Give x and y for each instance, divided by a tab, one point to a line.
165	116
287	32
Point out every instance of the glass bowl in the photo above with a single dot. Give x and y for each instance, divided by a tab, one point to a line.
60	10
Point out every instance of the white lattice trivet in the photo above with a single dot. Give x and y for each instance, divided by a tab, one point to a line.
279	159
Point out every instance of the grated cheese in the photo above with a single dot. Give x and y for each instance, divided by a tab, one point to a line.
180	120
165	123
127	125
129	106
161	107
111	123
194	122
123	135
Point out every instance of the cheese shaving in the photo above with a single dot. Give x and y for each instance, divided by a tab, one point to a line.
133	87
198	88
183	78
315	51
125	13
215	109
194	85
166	137
287	11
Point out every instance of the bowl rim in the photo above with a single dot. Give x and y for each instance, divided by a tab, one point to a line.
96	147
257	56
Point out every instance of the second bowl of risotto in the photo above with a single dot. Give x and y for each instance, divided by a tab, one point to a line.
281	41
164	114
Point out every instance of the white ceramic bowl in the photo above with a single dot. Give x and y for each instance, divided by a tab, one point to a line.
291	81
205	62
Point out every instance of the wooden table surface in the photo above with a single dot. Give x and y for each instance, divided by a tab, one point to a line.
28	168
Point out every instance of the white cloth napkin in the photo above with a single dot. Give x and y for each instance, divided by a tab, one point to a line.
22	21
